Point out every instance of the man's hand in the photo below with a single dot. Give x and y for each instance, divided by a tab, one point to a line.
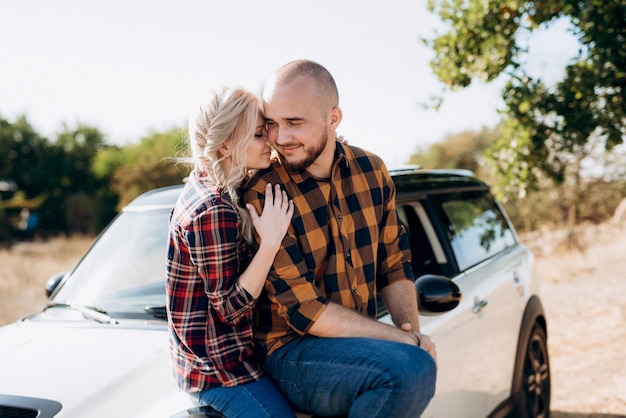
423	341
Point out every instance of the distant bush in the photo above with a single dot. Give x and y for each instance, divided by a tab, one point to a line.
548	208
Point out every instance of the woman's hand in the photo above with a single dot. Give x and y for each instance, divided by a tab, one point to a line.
272	224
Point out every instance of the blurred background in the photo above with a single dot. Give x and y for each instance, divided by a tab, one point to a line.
95	96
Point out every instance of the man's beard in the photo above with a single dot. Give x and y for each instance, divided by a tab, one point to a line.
312	154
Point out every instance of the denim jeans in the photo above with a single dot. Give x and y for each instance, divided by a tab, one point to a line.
259	399
357	377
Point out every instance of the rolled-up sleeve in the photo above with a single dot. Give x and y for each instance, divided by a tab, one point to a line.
394	253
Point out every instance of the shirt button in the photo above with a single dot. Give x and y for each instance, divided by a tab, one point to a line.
339	217
354	290
348	254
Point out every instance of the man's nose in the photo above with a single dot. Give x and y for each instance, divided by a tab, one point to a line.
280	136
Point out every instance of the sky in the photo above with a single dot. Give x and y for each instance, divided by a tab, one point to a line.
132	67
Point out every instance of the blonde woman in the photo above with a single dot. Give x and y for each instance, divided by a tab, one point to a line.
213	281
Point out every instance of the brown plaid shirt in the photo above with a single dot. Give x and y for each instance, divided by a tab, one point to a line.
344	244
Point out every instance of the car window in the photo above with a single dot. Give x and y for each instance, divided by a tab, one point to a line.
125	269
476	227
427	255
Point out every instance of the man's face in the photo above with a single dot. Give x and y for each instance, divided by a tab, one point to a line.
296	125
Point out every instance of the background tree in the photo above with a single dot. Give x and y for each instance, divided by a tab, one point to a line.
463	150
545	207
24	155
24	158
55	185
78	182
149	164
551	130
72	205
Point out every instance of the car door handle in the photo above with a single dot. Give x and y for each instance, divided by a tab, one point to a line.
519	286
478	304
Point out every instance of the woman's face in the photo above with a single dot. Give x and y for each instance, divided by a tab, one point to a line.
259	151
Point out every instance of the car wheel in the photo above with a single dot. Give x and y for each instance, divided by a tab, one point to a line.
535	384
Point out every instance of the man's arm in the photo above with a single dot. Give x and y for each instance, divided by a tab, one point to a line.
399	292
339	322
401	301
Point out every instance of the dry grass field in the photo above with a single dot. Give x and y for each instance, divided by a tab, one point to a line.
583	278
25	269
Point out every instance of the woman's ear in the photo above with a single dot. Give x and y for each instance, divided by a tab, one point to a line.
224	150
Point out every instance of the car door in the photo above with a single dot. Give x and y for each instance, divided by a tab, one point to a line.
489	263
463	340
503	266
503	308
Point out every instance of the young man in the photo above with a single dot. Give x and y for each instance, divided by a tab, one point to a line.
317	324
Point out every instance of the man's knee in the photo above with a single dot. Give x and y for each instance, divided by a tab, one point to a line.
406	381
414	368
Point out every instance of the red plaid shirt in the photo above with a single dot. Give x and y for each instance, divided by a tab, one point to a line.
210	315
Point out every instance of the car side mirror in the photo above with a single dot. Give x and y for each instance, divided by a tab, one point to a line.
436	294
53	283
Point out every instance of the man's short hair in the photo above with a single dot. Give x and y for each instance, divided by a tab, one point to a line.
326	87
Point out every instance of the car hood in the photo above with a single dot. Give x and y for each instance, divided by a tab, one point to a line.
95	370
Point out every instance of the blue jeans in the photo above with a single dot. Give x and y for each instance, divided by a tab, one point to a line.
259	399
357	377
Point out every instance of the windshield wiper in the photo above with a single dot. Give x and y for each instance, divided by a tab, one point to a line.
158	311
89	312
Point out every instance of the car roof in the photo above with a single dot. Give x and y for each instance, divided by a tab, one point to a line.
162	198
411	179
408	179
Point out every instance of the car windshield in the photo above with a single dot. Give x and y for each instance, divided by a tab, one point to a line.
123	274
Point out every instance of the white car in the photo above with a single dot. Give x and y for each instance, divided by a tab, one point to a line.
100	347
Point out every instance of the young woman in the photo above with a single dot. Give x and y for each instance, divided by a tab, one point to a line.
212	279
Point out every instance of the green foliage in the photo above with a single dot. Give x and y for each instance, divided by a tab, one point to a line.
546	208
549	130
494	158
73	203
149	164
77	182
107	160
480	43
508	160
463	150
24	156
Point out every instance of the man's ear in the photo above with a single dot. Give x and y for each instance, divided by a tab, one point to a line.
335	117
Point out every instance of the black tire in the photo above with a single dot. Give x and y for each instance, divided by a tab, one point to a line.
534	400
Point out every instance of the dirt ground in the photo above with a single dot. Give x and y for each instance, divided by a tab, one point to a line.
583	283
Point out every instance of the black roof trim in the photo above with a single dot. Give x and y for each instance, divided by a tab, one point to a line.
414	179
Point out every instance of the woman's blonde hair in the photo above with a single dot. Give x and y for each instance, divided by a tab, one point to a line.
229	117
